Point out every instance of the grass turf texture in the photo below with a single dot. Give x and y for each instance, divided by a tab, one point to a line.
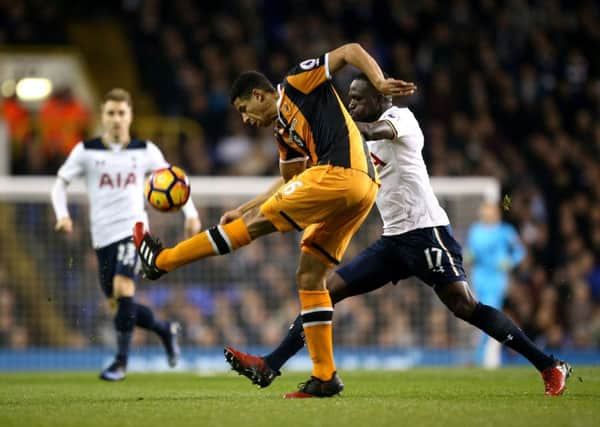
419	397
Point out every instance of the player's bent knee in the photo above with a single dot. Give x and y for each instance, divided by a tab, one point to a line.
462	307
459	299
123	286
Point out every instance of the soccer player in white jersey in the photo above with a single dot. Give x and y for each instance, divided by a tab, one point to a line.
114	167
417	241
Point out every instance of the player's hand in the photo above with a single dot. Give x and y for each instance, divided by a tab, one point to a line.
64	224
191	227
229	216
396	87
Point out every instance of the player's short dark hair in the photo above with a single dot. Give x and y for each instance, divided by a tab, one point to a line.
119	95
363	77
247	81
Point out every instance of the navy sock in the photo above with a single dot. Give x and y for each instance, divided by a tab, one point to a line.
145	319
124	324
291	344
497	325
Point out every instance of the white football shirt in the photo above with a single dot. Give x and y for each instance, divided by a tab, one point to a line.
114	178
405	200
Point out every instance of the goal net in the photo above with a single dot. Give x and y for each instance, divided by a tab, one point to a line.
53	313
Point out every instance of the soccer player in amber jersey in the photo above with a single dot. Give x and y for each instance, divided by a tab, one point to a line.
328	201
114	167
417	241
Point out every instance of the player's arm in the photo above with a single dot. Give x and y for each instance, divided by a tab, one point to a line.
72	168
381	129
59	204
288	169
354	54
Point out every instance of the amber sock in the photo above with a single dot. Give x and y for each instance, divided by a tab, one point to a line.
317	315
217	240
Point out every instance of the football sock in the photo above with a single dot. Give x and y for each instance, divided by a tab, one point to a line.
291	344
145	319
217	240
124	324
317	317
497	325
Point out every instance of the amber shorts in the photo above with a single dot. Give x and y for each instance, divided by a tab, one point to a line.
328	202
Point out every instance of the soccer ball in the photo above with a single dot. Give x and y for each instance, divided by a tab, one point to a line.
167	189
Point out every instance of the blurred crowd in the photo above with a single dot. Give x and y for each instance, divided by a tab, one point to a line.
509	89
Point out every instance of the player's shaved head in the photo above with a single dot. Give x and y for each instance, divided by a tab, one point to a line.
363	78
366	102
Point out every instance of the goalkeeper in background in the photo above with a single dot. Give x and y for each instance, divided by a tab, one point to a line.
114	167
493	249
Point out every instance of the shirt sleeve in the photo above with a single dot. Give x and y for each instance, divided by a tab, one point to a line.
310	74
189	209
74	166
156	159
58	196
403	122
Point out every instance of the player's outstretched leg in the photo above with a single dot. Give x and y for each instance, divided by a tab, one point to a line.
499	326
167	332
459	299
217	240
252	367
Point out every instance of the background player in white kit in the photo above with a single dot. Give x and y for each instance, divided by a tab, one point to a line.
114	167
417	241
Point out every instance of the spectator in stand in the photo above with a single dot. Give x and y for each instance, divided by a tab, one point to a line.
20	130
64	121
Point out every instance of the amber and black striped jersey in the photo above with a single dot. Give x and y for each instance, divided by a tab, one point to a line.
314	123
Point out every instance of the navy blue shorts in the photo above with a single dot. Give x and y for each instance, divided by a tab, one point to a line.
431	254
117	258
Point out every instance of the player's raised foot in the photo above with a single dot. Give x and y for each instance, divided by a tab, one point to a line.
555	378
252	367
171	344
315	387
148	249
115	372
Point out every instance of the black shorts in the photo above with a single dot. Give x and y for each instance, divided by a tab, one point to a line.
431	254
117	258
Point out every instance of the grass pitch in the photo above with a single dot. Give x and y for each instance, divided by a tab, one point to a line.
419	397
